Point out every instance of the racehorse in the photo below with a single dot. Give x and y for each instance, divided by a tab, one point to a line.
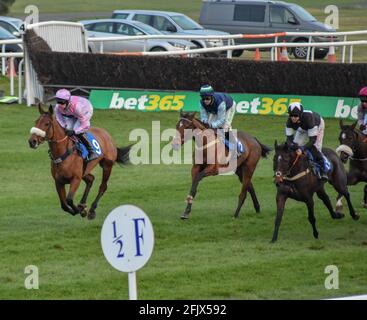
68	167
294	179
353	146
207	140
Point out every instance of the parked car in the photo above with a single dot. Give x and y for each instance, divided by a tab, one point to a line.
263	16
13	25
13	47
120	27
173	23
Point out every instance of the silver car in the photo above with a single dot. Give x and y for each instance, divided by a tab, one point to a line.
119	27
174	23
13	25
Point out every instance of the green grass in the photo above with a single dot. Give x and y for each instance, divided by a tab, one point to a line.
210	256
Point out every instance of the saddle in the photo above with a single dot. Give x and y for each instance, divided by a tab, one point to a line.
82	149
237	147
315	166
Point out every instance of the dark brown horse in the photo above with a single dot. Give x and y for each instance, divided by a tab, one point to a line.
353	146
294	179
214	158
68	167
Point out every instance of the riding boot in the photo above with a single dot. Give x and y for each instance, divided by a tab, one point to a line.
231	137
323	175
91	154
319	159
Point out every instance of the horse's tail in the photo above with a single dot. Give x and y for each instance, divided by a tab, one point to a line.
123	156
265	150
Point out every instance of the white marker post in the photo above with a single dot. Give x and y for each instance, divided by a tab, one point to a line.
127	240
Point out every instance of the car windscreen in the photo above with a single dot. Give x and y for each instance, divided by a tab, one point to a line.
17	23
4	34
186	23
147	29
302	13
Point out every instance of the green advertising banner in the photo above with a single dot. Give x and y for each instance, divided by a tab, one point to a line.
262	104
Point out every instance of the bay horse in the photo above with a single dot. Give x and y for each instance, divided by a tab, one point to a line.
68	167
244	166
294	179
353	146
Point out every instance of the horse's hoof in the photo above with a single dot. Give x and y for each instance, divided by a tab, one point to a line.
356	217
316	235
339	215
83	210
184	216
83	213
91	215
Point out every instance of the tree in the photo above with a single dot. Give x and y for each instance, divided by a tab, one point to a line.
5	5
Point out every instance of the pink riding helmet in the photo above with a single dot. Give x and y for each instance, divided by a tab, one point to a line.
363	92
63	94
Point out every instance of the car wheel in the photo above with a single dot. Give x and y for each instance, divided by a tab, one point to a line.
321	54
157	49
237	53
300	52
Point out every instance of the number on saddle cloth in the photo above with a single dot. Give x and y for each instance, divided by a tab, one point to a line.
82	149
240	148
327	163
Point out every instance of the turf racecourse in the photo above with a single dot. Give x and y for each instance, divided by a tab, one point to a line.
211	256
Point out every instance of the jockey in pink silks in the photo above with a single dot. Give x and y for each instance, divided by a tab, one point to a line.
73	113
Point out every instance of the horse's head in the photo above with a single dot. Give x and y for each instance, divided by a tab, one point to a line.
41	131
284	160
348	139
185	122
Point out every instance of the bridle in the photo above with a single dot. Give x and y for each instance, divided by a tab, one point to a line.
49	139
355	142
279	175
56	141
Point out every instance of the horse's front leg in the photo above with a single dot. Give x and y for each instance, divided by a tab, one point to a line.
74	185
311	216
196	176
281	199
60	188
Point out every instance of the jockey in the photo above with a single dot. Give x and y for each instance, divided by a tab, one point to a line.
73	113
305	125
362	111
217	110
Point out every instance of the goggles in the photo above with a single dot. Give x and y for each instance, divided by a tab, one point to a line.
206	98
61	101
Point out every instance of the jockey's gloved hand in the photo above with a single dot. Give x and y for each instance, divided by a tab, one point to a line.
69	132
294	146
362	127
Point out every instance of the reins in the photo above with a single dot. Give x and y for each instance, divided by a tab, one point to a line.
293	164
297	176
55	141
